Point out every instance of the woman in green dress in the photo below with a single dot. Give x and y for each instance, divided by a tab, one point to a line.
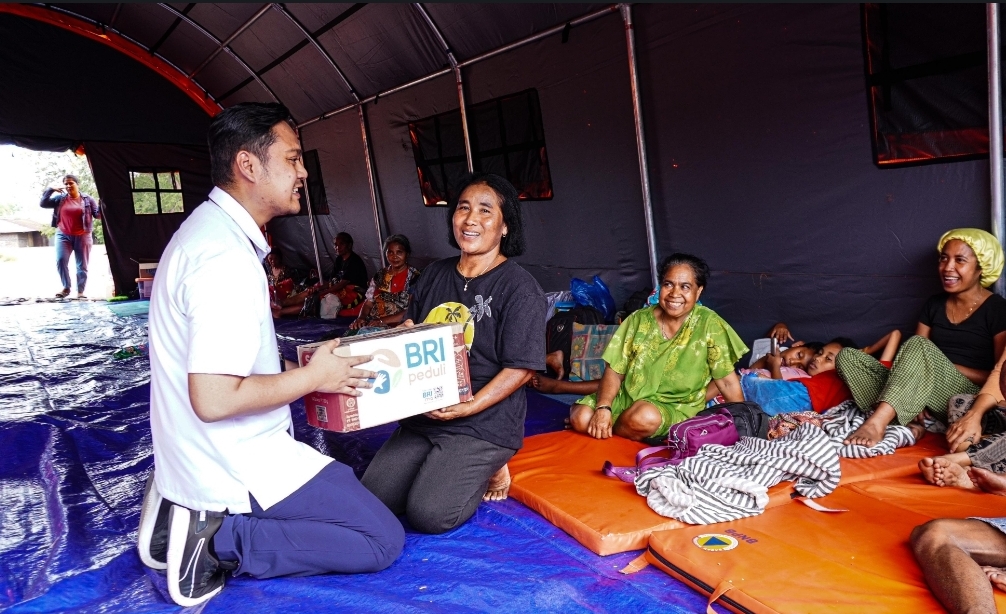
661	360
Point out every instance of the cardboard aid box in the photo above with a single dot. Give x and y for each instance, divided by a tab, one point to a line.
419	369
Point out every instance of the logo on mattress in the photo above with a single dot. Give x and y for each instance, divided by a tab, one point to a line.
715	542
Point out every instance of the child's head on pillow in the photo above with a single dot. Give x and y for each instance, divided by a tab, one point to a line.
824	360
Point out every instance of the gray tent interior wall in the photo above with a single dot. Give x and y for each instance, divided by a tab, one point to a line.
760	163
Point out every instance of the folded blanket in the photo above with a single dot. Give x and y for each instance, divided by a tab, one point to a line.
726	483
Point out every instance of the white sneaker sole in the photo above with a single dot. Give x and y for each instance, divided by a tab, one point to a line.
177	536
148	520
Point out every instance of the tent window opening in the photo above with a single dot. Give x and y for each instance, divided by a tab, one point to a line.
158	191
507	139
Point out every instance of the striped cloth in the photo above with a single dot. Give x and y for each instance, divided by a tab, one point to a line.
727	483
843	419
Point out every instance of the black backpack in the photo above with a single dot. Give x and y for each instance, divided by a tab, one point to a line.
749	418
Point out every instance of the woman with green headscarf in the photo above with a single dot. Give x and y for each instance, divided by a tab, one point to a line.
960	335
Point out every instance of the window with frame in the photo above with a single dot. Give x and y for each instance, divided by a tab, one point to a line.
156	191
507	139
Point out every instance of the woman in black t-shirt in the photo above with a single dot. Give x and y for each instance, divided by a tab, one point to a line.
438	466
960	335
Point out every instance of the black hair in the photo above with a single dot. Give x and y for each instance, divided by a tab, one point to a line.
845	342
74	177
247	126
346	238
512	243
401	240
699	267
814	345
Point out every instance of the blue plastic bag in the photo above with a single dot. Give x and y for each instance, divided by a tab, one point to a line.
594	295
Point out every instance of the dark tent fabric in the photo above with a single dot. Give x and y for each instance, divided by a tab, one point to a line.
133	238
757	129
65	89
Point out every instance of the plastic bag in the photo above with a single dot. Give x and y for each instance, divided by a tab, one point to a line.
594	295
330	307
554	298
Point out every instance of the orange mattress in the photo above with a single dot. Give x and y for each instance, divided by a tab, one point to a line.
794	559
559	476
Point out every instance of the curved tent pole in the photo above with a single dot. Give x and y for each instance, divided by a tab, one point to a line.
109	36
223	46
995	130
473	60
637	112
457	78
225	43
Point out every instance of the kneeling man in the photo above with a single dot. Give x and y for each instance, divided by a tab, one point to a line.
233	491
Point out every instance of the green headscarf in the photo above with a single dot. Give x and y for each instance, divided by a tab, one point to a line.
986	248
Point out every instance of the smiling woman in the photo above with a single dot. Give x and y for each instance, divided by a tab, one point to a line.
960	335
661	359
437	467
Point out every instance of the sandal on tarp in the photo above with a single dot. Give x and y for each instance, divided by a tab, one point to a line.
63	293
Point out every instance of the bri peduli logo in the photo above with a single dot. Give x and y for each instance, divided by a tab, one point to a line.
385	380
431	355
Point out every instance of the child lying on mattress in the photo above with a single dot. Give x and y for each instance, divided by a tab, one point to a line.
821	390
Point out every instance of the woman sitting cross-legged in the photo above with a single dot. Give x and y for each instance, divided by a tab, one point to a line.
661	359
390	289
960	335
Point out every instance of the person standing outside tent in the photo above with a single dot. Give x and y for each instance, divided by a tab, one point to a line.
232	489
73	216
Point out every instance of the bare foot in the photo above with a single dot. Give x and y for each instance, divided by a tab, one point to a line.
499	485
996	576
544	384
553	360
992	483
928	468
869	433
952	474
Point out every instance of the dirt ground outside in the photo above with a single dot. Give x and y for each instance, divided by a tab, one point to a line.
30	272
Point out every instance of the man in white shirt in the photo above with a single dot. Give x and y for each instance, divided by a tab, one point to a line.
233	490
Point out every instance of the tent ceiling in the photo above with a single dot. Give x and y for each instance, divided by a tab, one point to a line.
259	52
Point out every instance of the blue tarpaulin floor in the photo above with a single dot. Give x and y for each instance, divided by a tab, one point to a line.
75	451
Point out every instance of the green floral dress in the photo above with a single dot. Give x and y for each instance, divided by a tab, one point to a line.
671	374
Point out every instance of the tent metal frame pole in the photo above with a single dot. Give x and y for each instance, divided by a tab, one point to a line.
217	42
373	185
473	60
223	44
457	78
637	112
310	221
995	131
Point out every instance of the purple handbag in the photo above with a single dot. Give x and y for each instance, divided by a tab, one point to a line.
683	441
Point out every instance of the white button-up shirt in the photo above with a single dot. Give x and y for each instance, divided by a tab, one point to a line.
209	313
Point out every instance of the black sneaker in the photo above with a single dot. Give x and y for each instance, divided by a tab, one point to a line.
194	572
152	539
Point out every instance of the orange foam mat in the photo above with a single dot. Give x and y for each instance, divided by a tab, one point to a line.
912	493
794	559
559	476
